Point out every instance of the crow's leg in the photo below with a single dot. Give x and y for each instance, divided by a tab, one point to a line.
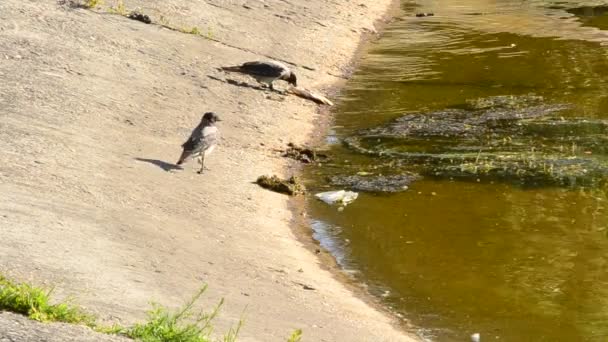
202	162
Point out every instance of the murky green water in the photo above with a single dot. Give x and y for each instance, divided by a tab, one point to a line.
510	259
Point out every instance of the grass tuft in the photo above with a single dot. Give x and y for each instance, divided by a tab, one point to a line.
193	30
119	9
185	325
296	336
34	303
93	3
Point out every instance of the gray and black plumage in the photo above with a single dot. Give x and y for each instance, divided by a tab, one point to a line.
202	141
265	72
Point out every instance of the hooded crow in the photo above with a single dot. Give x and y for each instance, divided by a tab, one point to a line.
265	72
202	141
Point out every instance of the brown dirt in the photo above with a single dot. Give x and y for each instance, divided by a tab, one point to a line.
93	109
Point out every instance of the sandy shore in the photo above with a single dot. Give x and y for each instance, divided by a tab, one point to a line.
93	109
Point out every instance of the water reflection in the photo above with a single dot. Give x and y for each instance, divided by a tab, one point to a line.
513	263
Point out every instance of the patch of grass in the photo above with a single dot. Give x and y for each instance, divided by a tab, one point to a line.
193	30
185	325
119	9
164	21
34	303
233	332
296	336
210	34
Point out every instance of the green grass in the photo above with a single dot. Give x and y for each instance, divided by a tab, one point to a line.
93	3
295	336
119	9
193	30
162	325
34	303
185	325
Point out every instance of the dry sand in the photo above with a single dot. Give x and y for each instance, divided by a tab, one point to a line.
93	109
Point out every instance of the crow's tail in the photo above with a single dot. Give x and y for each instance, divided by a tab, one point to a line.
183	157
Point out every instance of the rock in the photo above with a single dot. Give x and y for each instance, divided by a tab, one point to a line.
289	186
144	18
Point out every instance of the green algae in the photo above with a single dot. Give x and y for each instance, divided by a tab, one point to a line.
515	139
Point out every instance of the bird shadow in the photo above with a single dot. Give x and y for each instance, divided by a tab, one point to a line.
244	84
163	165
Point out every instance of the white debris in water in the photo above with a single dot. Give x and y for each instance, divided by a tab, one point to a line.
475	337
341	197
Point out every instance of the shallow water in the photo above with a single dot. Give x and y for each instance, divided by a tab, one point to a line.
511	261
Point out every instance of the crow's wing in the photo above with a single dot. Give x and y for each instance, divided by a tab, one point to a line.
265	69
201	140
194	138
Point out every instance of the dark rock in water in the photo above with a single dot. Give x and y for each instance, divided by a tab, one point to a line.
303	154
395	183
144	18
290	186
421	15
